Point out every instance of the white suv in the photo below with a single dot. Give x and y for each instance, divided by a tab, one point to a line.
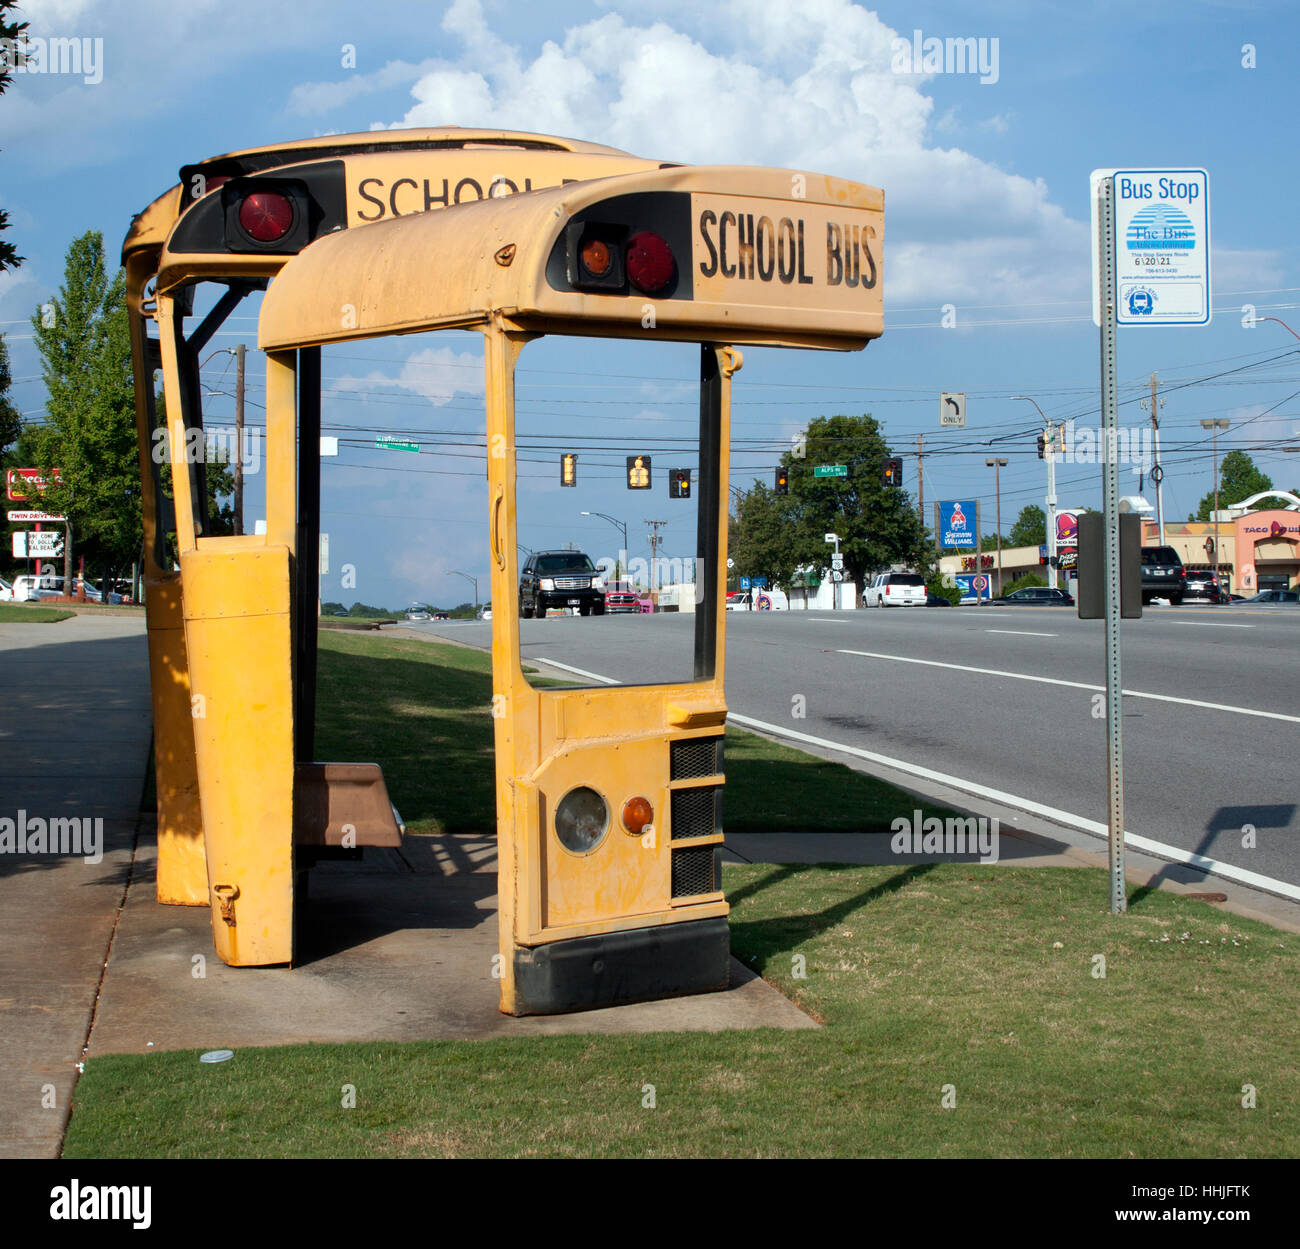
896	589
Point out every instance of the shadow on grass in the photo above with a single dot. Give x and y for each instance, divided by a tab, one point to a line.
760	938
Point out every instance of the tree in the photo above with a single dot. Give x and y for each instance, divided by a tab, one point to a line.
877	524
1238	480
89	432
762	542
1030	528
10	32
11	423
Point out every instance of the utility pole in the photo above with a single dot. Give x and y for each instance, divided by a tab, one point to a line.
1216	425
1049	438
239	439
920	482
997	465
1157	471
654	549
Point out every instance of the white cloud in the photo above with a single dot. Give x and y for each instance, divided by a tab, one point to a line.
807	85
310	98
437	374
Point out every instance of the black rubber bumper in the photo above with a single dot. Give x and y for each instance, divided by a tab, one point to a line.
637	965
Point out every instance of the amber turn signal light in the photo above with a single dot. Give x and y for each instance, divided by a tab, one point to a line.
637	813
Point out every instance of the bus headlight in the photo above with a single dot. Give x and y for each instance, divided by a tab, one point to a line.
581	820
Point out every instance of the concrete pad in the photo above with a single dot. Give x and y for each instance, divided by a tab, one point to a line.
74	742
397	948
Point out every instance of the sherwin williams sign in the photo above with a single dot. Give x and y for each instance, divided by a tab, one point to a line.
957	524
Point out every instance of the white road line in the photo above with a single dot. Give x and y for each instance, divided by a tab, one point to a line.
1227	870
1093	827
1208	624
1022	633
1079	685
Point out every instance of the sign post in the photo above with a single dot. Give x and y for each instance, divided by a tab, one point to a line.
1158	275
1106	294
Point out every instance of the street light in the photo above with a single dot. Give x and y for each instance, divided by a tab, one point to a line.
1049	436
997	466
620	525
1215	425
474	582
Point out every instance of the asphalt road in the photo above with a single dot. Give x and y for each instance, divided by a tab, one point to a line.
1214	749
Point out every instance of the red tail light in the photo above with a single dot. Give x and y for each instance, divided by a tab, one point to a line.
265	216
649	262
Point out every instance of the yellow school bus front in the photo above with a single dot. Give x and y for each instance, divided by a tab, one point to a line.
609	798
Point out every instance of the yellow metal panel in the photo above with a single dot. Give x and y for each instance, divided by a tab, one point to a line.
805	289
237	631
282	449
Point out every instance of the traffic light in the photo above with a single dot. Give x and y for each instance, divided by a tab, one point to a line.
679	483
892	473
568	469
638	472
782	481
1042	446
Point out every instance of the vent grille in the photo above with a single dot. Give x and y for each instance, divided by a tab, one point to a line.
572	583
696	757
693	871
694	812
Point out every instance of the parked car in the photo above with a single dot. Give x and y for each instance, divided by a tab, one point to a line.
560	579
622	598
1032	596
1203	585
937	600
28	588
896	589
758	600
6	591
1163	574
1271	598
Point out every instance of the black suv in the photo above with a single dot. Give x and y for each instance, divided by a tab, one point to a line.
1163	574
560	579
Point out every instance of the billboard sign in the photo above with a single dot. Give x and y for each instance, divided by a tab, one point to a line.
957	524
24	483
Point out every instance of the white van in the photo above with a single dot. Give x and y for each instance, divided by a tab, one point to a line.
29	588
896	589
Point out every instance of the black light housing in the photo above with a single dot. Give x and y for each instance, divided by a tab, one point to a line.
586	245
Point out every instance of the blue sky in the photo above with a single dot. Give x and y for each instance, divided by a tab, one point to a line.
986	188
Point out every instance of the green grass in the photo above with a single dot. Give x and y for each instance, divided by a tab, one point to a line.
925	976
422	710
32	613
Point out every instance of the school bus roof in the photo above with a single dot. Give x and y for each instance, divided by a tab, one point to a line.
150	226
757	256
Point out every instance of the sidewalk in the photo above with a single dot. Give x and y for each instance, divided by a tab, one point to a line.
74	743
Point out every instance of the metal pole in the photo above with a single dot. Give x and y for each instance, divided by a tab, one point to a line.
239	438
997	495
1110	507
1216	501
1160	476
1051	505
